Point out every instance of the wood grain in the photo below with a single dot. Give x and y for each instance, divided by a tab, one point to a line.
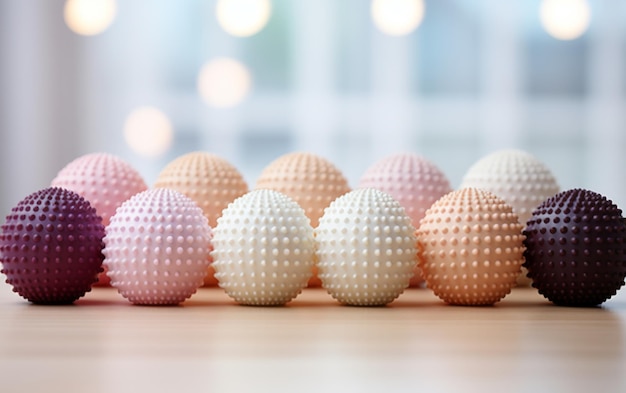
105	344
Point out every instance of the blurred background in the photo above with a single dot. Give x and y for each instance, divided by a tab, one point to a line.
350	80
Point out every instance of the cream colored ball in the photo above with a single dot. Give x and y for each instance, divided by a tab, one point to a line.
263	249
366	248
519	178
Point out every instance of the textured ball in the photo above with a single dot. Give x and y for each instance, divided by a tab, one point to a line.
263	249
576	248
471	247
413	181
106	181
157	247
519	178
51	246
311	181
366	248
208	180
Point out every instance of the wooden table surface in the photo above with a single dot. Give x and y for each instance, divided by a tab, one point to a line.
105	344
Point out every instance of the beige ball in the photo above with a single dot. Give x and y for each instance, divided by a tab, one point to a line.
208	180
312	181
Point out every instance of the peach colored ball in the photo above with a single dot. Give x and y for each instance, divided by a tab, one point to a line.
519	178
105	180
471	247
412	180
157	248
210	181
312	181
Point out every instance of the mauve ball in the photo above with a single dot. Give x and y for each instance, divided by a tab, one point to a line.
51	246
576	248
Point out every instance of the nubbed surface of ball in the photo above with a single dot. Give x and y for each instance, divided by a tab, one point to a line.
157	248
366	248
209	180
263	249
519	178
471	247
51	246
576	248
413	181
105	180
312	181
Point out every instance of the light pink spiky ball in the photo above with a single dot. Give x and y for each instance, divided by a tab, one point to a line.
157	247
103	179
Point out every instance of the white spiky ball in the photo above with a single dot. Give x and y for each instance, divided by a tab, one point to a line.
263	249
519	178
366	248
157	247
516	176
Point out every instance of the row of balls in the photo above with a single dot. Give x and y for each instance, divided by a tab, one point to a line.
158	247
313	182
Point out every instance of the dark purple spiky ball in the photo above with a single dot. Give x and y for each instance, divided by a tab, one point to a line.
576	248
51	246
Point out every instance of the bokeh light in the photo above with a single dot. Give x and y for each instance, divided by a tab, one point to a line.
89	17
224	82
243	18
565	19
397	17
148	131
